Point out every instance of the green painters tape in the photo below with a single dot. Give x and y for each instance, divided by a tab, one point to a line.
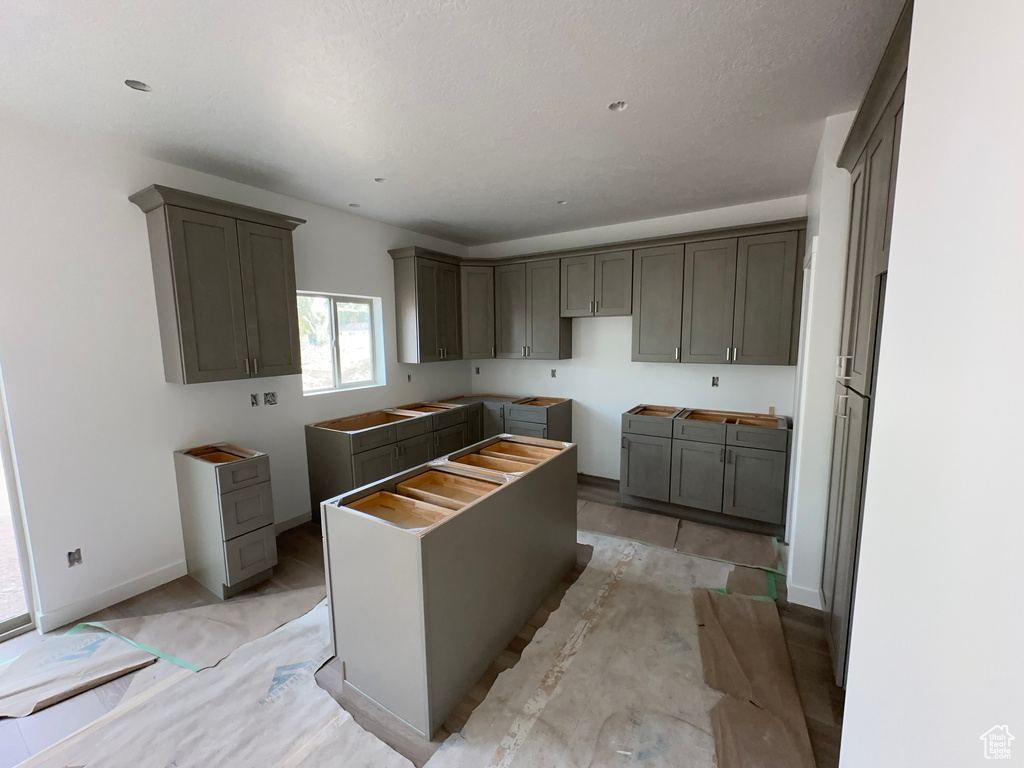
772	591
79	628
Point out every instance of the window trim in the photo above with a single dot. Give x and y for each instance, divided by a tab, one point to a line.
373	305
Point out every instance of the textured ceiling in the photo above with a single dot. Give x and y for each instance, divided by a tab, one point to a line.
481	114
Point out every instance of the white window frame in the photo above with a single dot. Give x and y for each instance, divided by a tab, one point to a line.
376	341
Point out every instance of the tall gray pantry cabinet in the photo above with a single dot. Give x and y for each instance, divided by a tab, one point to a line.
225	287
871	154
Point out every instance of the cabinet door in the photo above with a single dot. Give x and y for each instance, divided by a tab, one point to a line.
657	304
449	315
840	439
494	420
765	286
268	291
208	294
854	410
510	310
545	328
428	276
613	284
474	423
450	439
709	287
414	451
526	428
578	286
371	466
698	470
755	484
645	468
477	312
854	267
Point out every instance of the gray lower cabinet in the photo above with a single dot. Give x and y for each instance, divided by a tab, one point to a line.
414	451
477	312
755	484
227	516
450	439
427	306
224	276
657	304
645	466
373	465
526	428
546	417
698	472
597	286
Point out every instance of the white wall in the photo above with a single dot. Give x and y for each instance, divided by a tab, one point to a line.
828	212
601	379
938	626
93	422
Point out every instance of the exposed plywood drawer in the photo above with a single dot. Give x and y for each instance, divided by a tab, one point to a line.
250	553
246	510
651	420
701	431
240	474
757	437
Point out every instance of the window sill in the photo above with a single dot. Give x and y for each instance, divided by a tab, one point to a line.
341	389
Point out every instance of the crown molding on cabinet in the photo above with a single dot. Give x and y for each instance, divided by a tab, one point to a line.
155	195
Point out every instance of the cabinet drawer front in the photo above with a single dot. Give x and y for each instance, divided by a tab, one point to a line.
246	510
526	428
412	428
701	431
536	414
374	438
655	426
757	437
250	553
241	474
449	418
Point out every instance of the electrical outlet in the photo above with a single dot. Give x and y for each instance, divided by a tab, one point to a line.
410	378
75	558
552	373
478	370
270	398
714	381
254	399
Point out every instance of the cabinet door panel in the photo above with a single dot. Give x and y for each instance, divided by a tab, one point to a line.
645	468
698	470
613	284
755	484
510	310
208	289
268	289
246	510
427	280
494	420
835	492
415	451
854	267
371	466
450	439
477	312
657	304
543	316
709	287
449	315
577	286
765	287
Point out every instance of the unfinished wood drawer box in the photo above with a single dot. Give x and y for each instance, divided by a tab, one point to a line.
653	420
552	414
433	571
227	516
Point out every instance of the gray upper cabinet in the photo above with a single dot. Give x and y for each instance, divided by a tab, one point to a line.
477	312
765	286
548	335
224	276
510	310
597	286
709	287
427	305
657	303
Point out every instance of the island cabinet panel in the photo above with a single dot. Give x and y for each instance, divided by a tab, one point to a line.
657	304
433	571
709	288
765	295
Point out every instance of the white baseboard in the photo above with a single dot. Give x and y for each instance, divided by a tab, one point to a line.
807	596
51	620
292	522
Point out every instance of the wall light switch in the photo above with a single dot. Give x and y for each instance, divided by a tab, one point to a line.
714	381
270	398
254	399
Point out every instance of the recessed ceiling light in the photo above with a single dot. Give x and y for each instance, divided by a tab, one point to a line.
617	106
137	85
561	202
353	205
381	180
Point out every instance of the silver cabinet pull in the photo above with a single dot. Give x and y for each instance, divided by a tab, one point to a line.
255	367
597	306
440	353
721	456
677	353
492	351
591	308
247	366
728	455
527	351
839	402
734	354
727	354
625	442
843	368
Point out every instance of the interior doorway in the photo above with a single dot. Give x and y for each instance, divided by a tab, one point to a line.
15	613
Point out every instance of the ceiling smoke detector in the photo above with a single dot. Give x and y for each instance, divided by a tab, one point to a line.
617	106
137	85
381	180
